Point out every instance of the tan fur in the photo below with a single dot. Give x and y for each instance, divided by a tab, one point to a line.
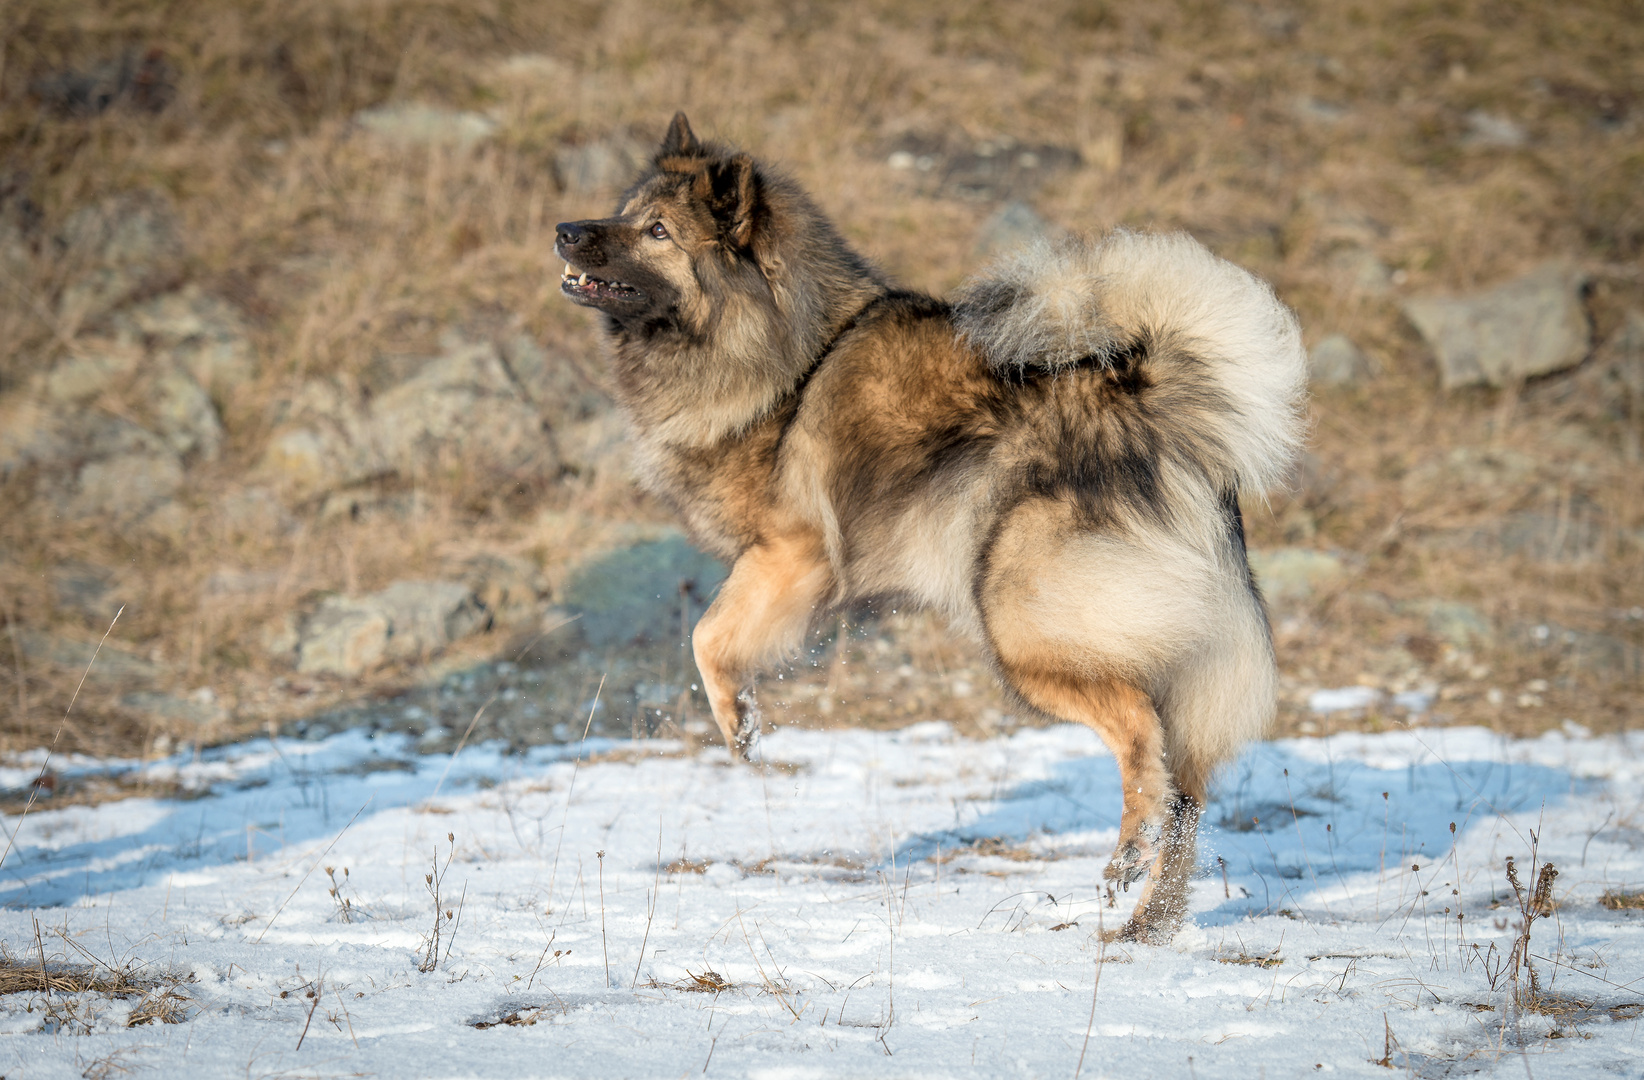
1053	464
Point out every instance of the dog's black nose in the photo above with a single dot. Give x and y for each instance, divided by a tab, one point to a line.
570	234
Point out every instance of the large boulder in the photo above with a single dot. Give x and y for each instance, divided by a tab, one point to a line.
116	250
1293	573
409	620
1529	326
1336	361
636	594
460	414
416	124
200	334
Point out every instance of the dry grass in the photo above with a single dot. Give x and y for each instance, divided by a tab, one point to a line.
1281	136
1622	900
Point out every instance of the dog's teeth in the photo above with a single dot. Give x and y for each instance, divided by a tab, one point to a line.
567	272
583	280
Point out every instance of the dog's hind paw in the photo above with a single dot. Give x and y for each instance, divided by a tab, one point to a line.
1133	857
1130	863
749	721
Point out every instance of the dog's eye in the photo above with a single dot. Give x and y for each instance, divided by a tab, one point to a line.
660	231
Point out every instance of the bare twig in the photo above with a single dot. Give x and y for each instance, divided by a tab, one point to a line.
34	789
319	990
576	765
311	869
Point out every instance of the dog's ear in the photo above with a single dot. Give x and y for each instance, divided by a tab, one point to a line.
736	197
680	138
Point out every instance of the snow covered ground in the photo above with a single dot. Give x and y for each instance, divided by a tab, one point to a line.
866	904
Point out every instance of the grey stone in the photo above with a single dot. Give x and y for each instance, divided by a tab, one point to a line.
1529	326
553	383
1581	650
1336	361
599	166
1291	573
416	124
460	411
1462	625
1360	270
1012	225
1311	110
1492	131
123	246
254	511
201	334
241	583
94	368
106	666
509	588
200	709
409	620
125	487
635	594
85	589
185	416
342	638
425	616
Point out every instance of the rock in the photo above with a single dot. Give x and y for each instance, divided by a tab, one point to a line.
119	248
139	78
425	616
599	166
201	334
85	589
199	709
409	620
1601	654
58	440
1290	574
635	594
510	589
1461	625
254	511
460	412
1336	361
415	124
104	667
1491	131
185	416
553	383
124	487
1529	326
93	368
1360	270
1311	110
1012	225
342	638
997	168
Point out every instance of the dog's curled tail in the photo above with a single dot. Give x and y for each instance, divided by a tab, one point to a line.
1204	333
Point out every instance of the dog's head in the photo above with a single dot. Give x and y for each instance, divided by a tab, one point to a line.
686	229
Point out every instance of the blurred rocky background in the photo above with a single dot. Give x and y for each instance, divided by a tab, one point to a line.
285	380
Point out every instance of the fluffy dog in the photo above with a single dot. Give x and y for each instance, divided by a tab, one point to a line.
1052	459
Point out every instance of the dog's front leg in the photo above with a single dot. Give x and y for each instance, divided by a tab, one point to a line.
761	614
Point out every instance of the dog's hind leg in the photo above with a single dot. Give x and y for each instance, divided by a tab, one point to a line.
761	614
1081	623
1125	720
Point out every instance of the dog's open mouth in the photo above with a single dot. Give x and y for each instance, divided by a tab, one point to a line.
580	285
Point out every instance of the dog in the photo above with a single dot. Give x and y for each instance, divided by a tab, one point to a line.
1052	459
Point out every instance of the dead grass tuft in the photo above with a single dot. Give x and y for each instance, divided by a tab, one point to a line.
1622	900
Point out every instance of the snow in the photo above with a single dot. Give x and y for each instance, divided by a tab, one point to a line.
881	904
